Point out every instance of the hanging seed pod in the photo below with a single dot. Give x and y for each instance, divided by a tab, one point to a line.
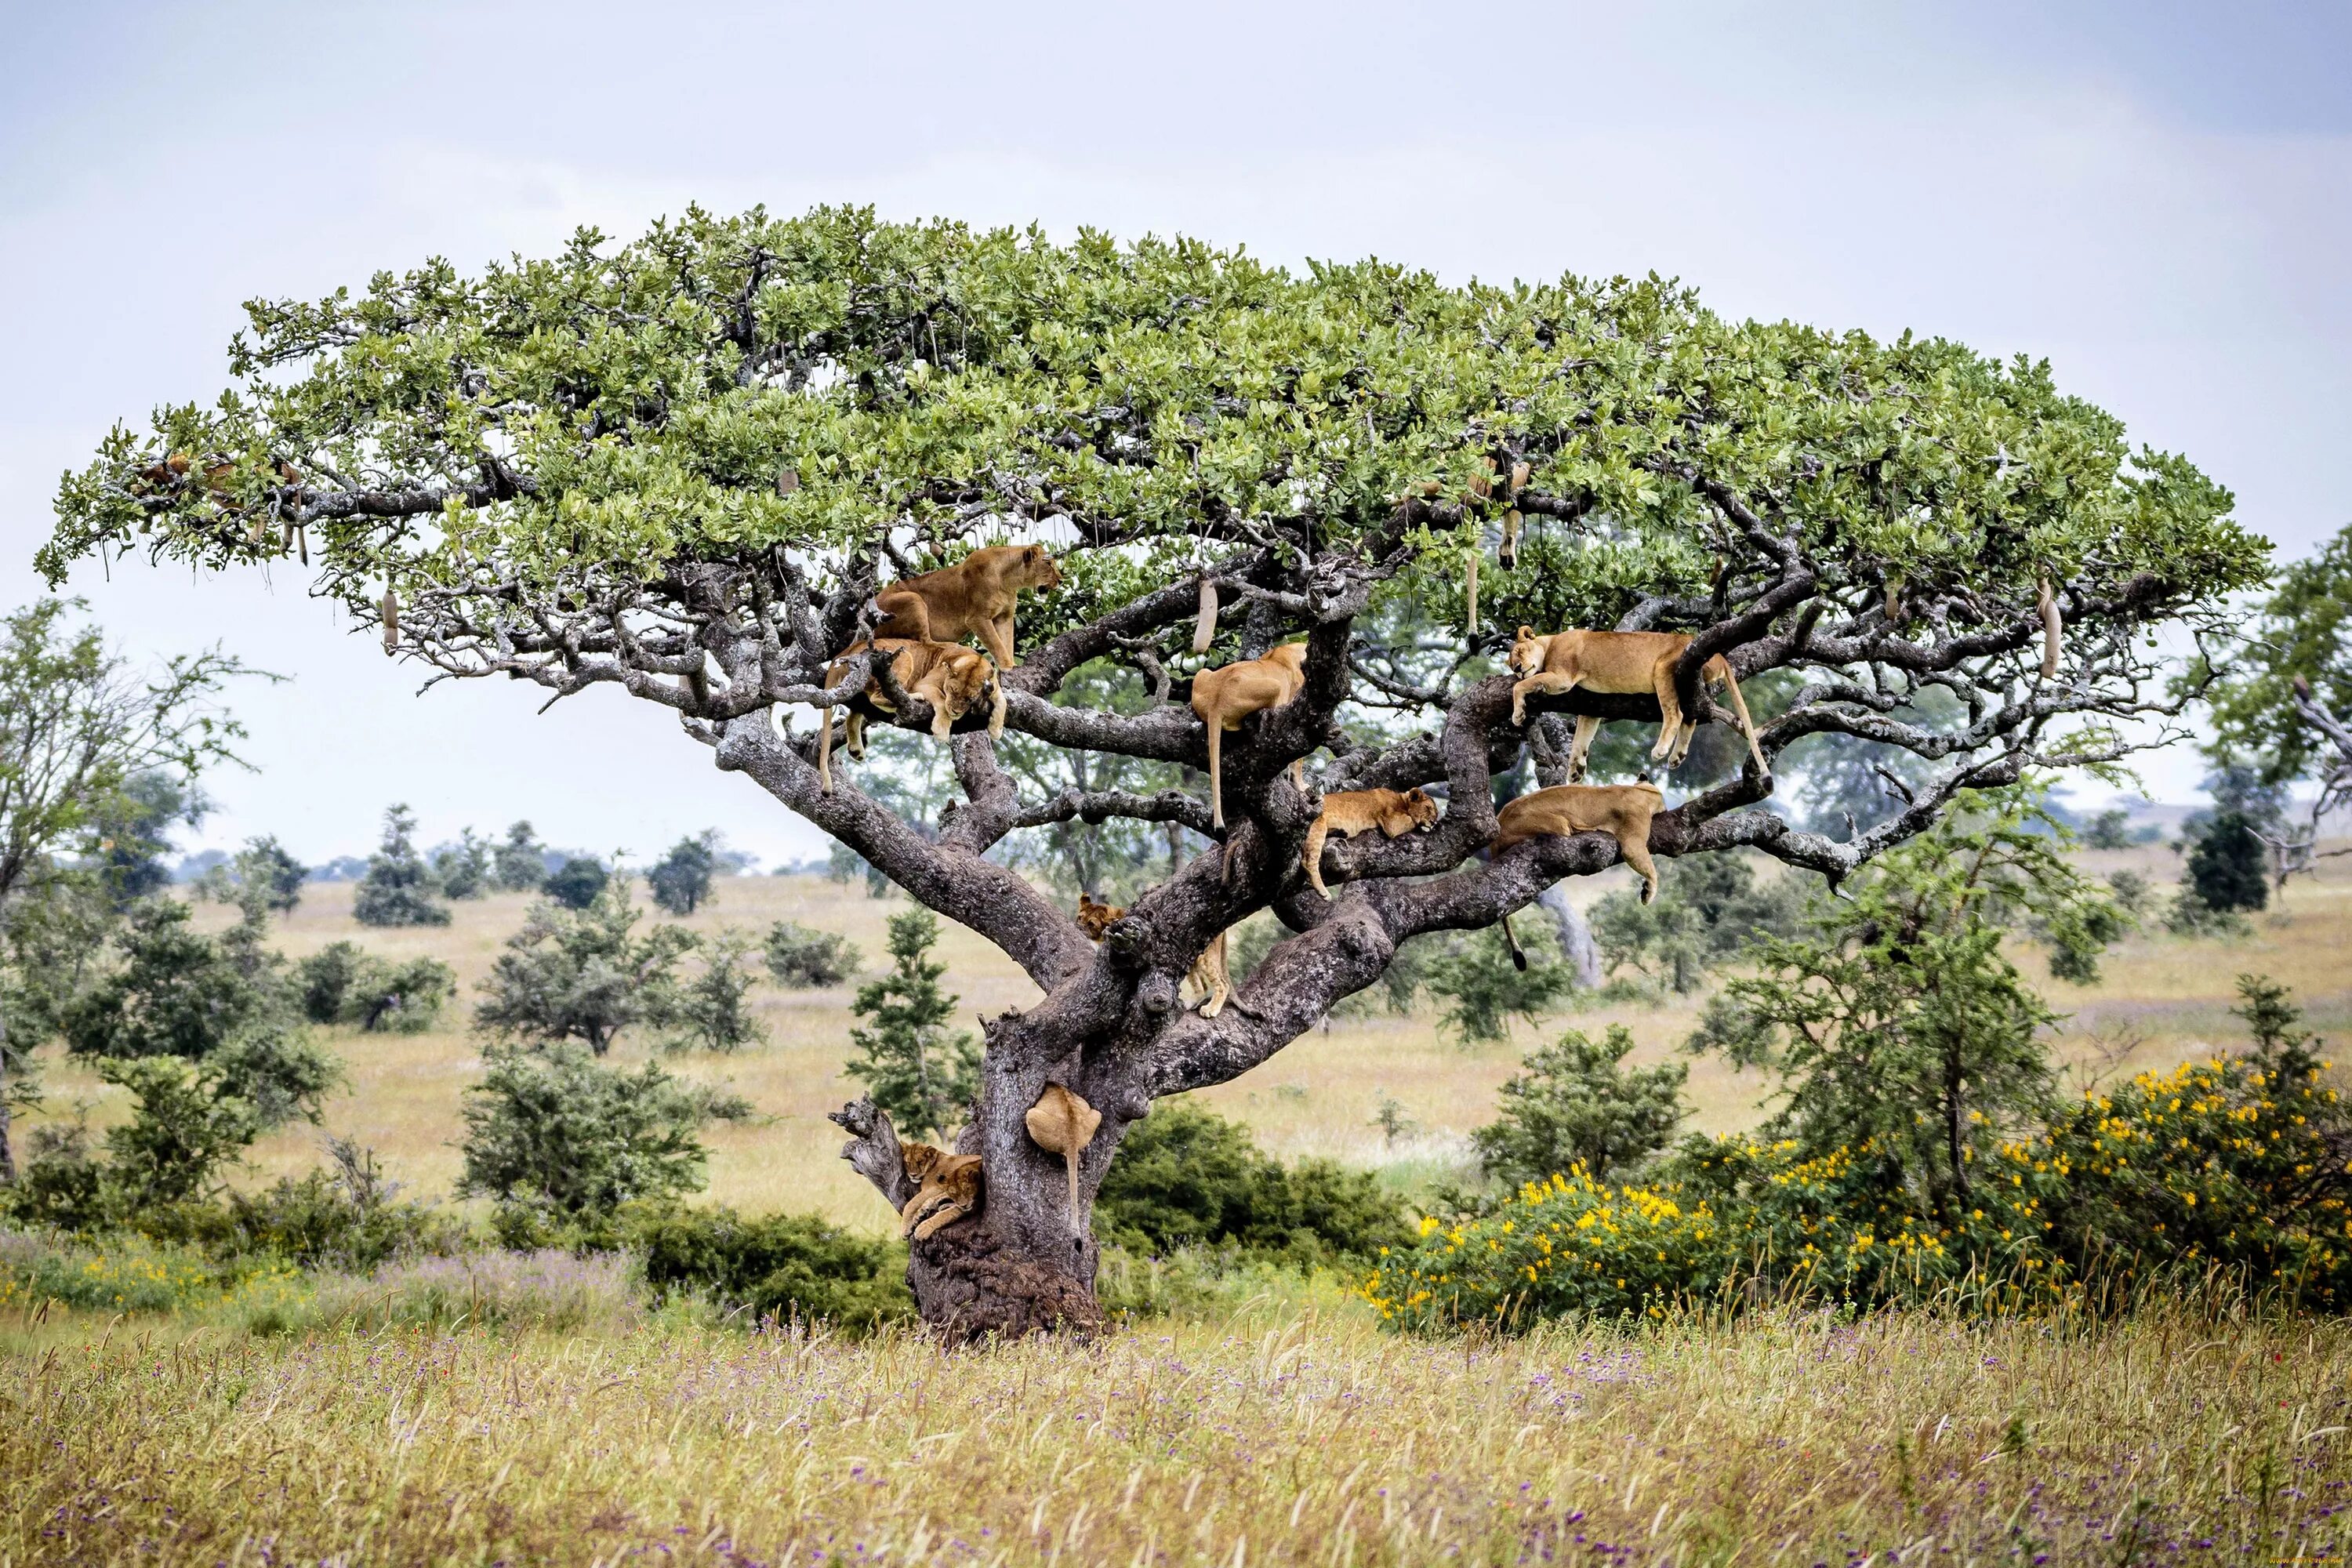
788	481
391	608
1470	592
2046	600
1509	553
302	542
1204	631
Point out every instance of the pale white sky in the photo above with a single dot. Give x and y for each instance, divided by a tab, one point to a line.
2155	196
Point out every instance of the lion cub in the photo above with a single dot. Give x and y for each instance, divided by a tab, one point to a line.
1623	810
948	676
1627	663
1209	976
946	1188
974	597
1222	697
1394	811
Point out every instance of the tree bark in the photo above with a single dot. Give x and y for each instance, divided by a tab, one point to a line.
1576	943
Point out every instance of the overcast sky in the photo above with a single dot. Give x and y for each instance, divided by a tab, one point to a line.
2158	197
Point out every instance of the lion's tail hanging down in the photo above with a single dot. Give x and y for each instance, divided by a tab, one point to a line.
1511	941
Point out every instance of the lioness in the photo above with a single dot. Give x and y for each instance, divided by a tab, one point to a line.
1222	697
1208	976
974	597
1629	663
1623	810
946	1188
1349	812
948	676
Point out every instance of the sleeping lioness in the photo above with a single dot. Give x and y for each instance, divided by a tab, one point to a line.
1394	811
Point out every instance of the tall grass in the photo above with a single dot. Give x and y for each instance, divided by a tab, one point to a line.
1281	1433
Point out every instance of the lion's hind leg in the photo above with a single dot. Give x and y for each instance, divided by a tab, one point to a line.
1672	727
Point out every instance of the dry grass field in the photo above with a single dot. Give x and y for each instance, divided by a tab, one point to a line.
2161	1000
1274	1434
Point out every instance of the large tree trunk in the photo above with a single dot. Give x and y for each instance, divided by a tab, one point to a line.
1022	1263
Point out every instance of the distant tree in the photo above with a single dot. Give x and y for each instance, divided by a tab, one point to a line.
463	870
577	883
174	992
922	1075
519	864
137	833
680	881
340	984
219	999
2110	830
398	889
1575	1102
579	974
1706	912
800	958
557	1129
2229	863
264	865
2285	695
708	1010
1483	990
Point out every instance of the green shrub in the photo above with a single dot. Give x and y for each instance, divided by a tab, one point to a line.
1575	1104
1185	1176
576	883
398	998
784	1267
680	881
554	1129
710	1009
800	958
580	975
2235	1165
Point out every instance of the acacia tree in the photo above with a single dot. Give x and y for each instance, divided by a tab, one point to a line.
2285	696
681	466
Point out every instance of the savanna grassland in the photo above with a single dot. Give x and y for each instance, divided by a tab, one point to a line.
543	1411
2161	1000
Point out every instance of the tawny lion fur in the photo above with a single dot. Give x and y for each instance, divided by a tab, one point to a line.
1623	810
1063	1123
1628	663
948	676
1350	811
946	1188
1223	698
974	598
1209	976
